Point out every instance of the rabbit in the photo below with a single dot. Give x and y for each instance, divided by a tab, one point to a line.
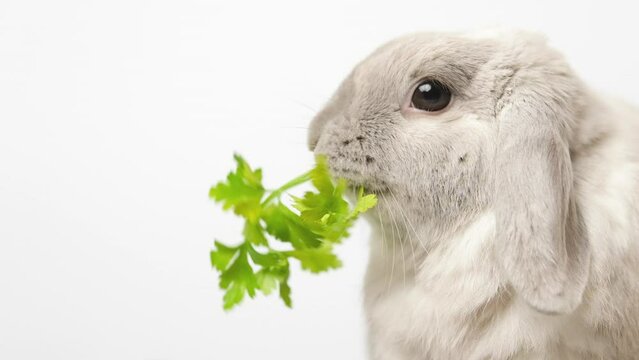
508	224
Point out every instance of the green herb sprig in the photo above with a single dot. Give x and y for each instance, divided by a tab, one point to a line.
318	220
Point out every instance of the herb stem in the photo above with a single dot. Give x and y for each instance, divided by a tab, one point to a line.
278	192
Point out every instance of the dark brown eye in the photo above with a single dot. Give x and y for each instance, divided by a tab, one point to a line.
430	95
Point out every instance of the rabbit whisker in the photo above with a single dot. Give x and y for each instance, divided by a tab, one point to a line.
390	279
410	241
306	106
384	245
398	238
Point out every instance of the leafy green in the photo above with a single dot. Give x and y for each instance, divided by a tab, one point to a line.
317	221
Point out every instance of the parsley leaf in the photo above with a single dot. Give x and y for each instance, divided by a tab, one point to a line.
318	220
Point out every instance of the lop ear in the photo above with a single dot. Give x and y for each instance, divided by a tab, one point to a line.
541	238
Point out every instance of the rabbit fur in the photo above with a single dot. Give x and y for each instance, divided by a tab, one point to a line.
508	223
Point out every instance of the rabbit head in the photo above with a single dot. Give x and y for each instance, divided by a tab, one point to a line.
447	126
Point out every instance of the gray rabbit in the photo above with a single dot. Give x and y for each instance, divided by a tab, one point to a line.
508	221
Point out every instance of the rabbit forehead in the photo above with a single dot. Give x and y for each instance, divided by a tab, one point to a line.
452	59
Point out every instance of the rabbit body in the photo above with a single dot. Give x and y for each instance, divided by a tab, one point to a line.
454	304
508	223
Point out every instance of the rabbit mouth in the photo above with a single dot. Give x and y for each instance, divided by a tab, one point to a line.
358	171
369	187
357	180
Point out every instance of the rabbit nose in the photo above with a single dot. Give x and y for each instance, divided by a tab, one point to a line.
313	139
315	130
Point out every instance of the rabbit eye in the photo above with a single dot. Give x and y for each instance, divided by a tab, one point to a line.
430	95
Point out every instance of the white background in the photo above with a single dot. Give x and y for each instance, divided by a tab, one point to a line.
116	117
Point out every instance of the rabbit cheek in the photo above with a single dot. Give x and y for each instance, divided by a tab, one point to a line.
453	186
